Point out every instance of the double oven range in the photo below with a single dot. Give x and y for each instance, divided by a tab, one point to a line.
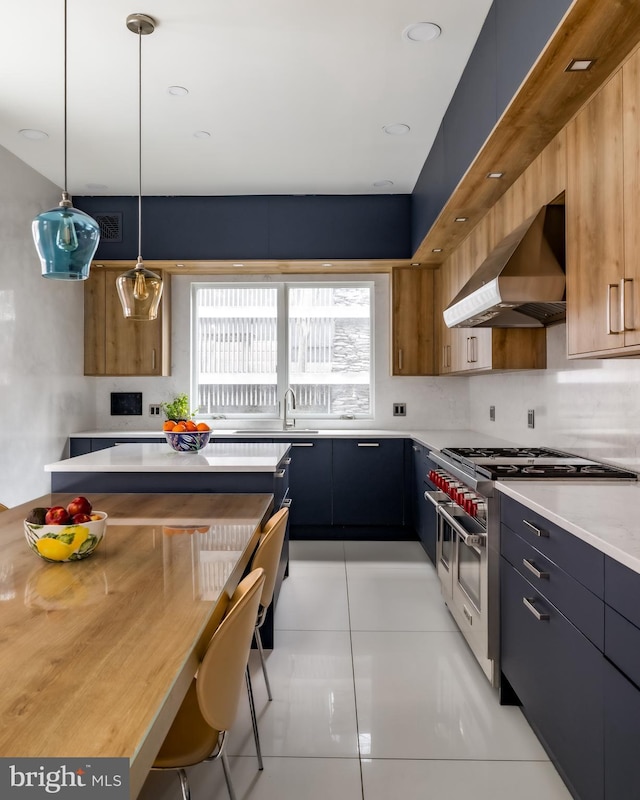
468	529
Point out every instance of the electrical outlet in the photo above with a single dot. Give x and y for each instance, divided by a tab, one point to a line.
155	409
531	418
399	409
492	413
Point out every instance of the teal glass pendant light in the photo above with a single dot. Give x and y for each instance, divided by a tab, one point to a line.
66	238
139	289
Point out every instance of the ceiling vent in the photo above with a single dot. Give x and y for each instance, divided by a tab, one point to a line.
110	226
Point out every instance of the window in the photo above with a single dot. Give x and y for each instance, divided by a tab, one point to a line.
321	334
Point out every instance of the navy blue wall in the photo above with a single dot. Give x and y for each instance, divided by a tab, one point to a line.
258	227
513	35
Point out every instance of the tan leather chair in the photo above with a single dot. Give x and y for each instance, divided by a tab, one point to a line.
267	556
209	709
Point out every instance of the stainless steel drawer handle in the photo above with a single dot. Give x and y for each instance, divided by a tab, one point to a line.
280	473
537	531
368	444
287	461
286	503
533	569
301	444
537	614
416	447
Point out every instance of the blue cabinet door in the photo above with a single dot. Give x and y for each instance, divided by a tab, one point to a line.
310	484
368	482
621	736
426	520
558	675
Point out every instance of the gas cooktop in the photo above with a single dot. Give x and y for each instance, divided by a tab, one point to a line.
502	463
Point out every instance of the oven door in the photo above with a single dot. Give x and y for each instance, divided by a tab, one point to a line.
469	602
444	543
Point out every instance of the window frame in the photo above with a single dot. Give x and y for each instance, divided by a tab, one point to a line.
282	375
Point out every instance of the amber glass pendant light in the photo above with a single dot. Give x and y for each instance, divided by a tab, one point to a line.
139	289
66	239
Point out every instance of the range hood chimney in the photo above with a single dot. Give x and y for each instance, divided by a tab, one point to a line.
521	283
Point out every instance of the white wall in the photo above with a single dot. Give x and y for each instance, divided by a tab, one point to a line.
590	407
43	393
431	402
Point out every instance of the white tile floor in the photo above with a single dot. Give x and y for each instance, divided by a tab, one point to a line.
376	695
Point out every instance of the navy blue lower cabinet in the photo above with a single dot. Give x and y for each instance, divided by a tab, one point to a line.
310	484
425	517
558	676
368	482
621	736
79	446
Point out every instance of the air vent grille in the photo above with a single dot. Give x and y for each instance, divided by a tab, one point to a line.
110	226
546	313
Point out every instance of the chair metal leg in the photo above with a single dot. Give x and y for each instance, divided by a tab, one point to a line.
227	775
264	666
254	721
184	785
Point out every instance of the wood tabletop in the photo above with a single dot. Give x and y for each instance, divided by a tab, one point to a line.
97	654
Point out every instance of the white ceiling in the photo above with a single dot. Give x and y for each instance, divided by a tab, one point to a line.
294	93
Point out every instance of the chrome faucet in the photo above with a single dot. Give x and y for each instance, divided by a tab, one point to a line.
286	423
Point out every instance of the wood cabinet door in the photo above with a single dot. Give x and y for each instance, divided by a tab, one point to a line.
118	346
412	321
630	300
594	219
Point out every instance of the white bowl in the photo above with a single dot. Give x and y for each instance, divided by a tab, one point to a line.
65	542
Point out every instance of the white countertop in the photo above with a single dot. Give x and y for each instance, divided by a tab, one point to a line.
227	457
430	438
603	514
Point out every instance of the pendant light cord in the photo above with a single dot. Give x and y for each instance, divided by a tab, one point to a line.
139	143
65	98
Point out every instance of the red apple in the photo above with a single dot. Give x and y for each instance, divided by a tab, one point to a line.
57	515
78	518
79	505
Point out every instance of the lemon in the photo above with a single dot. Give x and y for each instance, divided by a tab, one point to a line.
54	549
80	535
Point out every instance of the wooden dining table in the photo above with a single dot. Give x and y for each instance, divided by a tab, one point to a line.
96	655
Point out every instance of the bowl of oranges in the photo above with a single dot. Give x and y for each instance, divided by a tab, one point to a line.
185	436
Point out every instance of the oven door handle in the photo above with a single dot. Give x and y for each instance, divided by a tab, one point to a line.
438	498
470	539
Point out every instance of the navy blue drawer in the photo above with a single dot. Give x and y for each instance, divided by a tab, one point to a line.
583	562
622	644
580	606
622	590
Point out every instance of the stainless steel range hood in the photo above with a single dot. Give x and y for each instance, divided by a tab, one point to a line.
521	283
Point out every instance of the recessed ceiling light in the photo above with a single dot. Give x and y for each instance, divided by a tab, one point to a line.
462	219
579	64
396	129
327	264
178	91
179	265
422	32
379	184
437	250
32	134
415	264
238	265
495	175
202	135
96	187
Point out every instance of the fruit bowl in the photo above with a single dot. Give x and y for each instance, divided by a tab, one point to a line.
189	441
66	542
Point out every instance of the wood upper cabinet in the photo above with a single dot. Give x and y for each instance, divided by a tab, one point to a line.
118	346
412	299
603	204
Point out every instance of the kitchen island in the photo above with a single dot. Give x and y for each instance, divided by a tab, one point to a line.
234	467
